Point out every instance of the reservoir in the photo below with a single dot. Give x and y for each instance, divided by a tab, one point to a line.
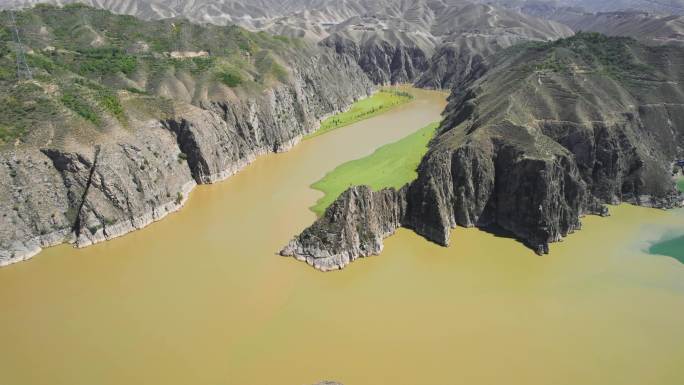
202	298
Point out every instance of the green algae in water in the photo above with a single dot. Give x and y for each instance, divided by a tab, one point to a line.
671	247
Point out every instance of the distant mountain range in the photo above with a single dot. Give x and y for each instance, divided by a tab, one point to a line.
433	42
235	10
643	23
394	41
664	7
422	23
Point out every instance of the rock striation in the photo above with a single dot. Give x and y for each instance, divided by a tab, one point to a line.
384	62
546	136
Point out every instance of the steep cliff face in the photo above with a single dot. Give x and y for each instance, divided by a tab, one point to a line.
382	61
352	227
87	195
463	59
221	137
551	133
494	182
78	180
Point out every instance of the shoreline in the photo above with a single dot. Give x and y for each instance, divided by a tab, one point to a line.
36	245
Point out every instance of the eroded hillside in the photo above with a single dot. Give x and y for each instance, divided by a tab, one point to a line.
120	118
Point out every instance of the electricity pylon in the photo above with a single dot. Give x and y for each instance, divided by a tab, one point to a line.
23	69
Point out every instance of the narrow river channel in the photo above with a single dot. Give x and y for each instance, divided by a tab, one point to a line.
201	297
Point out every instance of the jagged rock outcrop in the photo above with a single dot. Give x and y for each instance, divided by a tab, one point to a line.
352	227
536	197
551	133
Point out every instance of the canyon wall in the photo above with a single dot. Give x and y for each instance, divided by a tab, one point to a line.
85	195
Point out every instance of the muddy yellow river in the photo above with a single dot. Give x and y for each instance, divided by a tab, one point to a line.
201	298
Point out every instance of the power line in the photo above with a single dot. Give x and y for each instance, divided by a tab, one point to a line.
23	70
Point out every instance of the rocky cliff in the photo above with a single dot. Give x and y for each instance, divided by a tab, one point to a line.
551	133
104	161
383	61
353	226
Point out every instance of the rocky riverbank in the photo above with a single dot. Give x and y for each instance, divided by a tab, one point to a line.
85	195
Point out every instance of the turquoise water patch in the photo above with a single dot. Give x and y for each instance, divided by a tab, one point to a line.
673	247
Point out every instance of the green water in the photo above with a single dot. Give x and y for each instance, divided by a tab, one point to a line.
673	247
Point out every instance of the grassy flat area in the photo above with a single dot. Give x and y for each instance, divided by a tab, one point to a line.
377	104
680	184
392	165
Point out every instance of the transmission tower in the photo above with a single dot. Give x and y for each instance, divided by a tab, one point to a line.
23	70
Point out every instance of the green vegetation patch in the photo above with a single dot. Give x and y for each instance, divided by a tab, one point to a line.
612	56
109	101
105	61
363	109
392	165
82	58
267	67
230	77
551	63
6	133
106	98
76	103
23	107
37	61
7	73
202	64
680	185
